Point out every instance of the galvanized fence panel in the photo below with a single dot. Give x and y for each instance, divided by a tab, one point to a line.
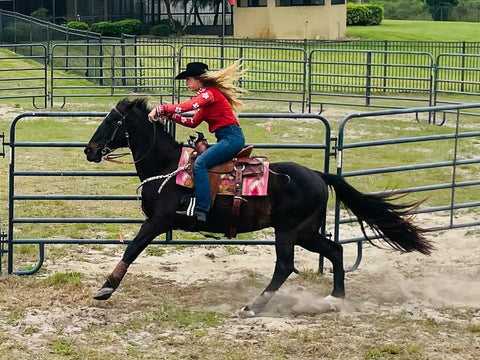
432	47
383	79
17	28
73	204
32	83
413	164
456	75
113	69
274	74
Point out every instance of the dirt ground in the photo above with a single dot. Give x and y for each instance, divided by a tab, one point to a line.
184	303
398	306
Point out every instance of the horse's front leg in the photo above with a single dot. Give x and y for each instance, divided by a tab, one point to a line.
148	231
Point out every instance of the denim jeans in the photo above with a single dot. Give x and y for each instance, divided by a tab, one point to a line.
230	141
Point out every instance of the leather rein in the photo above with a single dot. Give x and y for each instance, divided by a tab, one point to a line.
107	152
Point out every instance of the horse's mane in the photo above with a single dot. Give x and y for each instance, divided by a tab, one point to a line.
142	105
139	103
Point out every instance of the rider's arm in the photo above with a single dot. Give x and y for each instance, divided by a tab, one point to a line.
203	98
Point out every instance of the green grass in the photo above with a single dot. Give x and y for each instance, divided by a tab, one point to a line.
417	30
281	131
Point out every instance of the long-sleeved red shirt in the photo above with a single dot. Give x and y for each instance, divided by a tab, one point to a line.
210	105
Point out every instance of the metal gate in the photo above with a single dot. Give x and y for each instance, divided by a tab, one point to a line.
112	69
275	74
369	78
451	175
31	61
63	164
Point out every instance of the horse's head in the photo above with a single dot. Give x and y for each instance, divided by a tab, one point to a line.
113	132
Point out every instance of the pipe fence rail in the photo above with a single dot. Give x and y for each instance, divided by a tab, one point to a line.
451	175
413	166
27	210
86	70
305	81
375	78
24	76
274	74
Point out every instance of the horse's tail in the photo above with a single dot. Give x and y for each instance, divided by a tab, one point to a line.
389	221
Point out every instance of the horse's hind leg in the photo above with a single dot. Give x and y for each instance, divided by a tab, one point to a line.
332	251
284	249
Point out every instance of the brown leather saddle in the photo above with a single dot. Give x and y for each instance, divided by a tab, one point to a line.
242	165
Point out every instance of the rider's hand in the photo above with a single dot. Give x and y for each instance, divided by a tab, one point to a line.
152	115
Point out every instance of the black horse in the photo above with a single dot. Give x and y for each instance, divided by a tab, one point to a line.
295	205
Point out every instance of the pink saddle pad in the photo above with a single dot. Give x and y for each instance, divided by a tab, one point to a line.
252	185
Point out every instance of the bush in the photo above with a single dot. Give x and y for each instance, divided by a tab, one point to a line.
127	26
161	30
130	26
42	14
16	33
106	28
356	14
77	25
364	14
376	14
166	27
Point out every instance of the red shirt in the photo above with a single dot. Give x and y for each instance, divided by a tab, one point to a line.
210	105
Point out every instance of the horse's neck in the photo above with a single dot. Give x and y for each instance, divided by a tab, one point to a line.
161	158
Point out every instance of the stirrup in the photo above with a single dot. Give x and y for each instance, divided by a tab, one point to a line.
201	215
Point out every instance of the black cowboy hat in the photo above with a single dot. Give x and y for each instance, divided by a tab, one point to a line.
193	69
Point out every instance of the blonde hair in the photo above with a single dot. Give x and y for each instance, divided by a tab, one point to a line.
223	80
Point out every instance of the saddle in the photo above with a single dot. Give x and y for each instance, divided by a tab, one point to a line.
236	170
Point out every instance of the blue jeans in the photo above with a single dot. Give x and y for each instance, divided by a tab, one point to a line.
230	141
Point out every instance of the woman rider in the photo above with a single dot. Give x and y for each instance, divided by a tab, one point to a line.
217	104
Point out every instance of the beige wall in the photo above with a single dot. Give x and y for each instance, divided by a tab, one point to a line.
291	22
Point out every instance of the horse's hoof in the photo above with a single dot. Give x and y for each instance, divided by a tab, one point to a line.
245	313
335	303
104	293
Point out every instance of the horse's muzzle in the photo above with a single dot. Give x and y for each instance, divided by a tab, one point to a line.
93	153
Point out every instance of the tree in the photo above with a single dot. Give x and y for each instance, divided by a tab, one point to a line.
440	9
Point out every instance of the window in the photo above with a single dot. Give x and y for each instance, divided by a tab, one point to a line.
338	2
251	3
299	2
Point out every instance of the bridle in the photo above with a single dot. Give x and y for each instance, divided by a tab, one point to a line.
111	157
107	152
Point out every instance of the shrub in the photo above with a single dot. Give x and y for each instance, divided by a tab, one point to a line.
127	26
106	28
130	26
375	14
161	30
364	14
77	25
166	27
42	14
356	14
16	33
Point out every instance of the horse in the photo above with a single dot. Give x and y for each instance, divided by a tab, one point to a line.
295	204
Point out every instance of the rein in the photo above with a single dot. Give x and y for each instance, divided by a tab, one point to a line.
112	157
166	177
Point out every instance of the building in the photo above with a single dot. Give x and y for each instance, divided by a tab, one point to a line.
280	19
290	19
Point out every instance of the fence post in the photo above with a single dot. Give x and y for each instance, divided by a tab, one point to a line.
368	78
122	47
101	61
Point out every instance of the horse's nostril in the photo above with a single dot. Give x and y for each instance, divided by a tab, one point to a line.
86	150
